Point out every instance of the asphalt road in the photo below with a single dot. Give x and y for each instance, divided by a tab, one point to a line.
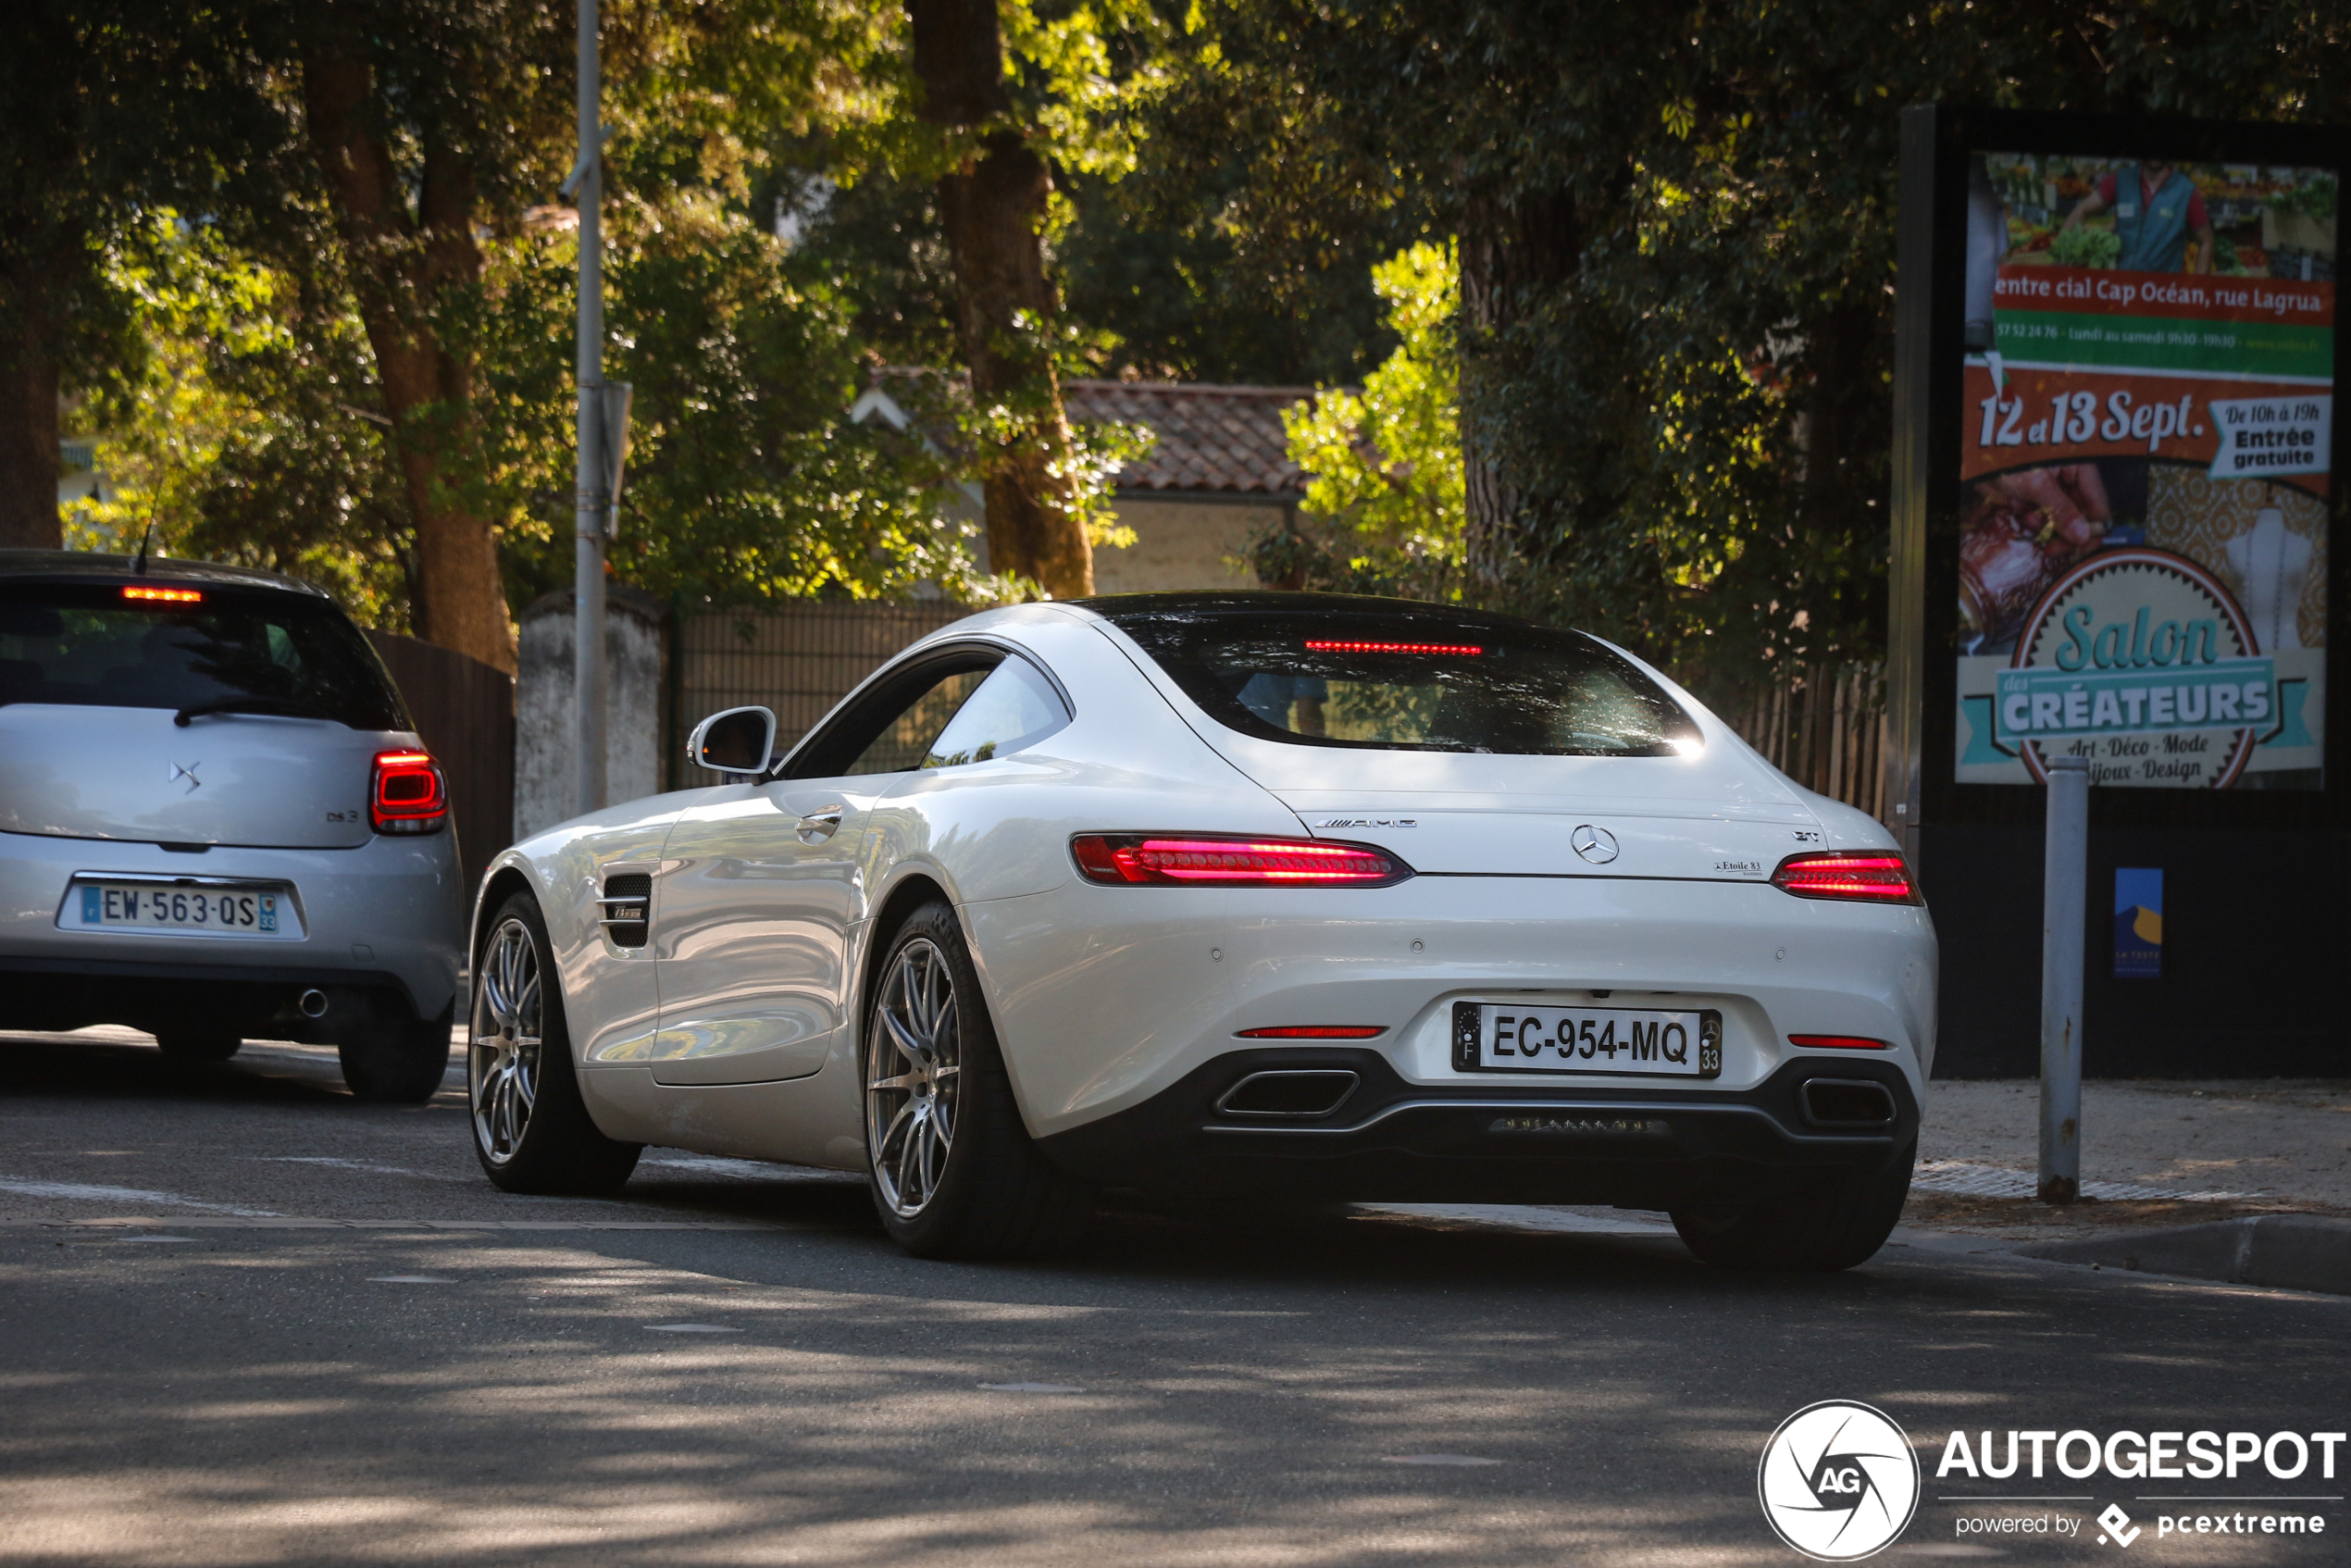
730	1364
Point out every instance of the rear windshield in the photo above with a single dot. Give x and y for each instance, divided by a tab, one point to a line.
1408	680
234	650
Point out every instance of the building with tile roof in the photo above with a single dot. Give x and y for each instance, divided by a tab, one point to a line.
1218	473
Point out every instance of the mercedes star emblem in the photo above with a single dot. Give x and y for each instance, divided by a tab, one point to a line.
1595	844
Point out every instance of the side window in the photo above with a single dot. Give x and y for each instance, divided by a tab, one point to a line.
906	739
1015	706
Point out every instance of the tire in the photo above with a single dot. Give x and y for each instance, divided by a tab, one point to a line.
952	1167
1820	1229
197	1045
395	1060
531	1129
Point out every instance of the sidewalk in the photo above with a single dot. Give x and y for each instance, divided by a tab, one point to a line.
2154	1152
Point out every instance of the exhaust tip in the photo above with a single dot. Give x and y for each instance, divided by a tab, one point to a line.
1854	1103
313	1003
1301	1093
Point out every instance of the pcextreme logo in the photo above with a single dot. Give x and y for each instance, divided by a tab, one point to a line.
1838	1481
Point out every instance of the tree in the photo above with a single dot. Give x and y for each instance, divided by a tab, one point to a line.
107	108
992	204
1385	494
250	417
1676	236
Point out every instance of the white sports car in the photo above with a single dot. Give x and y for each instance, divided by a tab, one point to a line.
1270	897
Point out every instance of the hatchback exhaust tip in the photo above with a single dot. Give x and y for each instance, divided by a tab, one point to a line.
1853	1104
313	1003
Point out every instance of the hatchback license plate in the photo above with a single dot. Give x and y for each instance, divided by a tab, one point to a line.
1517	1037
154	906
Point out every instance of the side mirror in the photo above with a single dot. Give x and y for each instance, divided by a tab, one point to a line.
739	740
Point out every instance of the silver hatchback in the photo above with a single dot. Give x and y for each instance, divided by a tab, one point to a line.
217	822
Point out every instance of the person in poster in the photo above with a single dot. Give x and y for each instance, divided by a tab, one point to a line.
2145	469
2157	209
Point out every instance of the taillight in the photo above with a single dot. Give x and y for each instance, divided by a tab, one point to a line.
1866	878
1205	860
1317	1031
1839	1042
408	795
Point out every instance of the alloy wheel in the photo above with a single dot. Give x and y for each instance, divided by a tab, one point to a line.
503	1066
914	1079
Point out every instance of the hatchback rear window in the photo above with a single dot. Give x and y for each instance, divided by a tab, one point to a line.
1410	678
192	648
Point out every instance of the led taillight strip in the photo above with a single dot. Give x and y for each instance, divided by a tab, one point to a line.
1208	860
164	595
1457	649
1867	878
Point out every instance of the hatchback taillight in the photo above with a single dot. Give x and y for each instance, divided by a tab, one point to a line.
408	794
1210	860
1864	877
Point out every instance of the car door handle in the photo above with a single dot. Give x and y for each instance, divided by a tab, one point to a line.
819	825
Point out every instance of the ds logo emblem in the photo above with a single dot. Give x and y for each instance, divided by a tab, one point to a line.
1838	1481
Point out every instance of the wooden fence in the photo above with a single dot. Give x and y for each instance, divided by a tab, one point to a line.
464	711
1824	726
797	659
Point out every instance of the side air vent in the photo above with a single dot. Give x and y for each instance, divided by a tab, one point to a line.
1311	1092
625	904
1853	1104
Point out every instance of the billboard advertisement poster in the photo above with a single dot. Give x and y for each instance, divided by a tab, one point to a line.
2145	450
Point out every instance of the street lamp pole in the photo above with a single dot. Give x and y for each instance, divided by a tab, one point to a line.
594	502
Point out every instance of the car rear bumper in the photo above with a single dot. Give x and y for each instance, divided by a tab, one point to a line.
387	918
1106	998
1389	1140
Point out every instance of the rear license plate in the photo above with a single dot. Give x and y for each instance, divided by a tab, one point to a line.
1517	1037
233	911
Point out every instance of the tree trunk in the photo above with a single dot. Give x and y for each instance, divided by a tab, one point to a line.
993	208
399	264
1514	249
27	433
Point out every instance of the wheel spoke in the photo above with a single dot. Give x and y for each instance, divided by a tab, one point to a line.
902	1037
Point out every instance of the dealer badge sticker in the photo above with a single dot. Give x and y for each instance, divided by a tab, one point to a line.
1838	1481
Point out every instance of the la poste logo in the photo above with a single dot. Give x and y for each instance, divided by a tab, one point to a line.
1838	1481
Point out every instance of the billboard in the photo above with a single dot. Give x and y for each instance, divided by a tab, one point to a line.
2144	450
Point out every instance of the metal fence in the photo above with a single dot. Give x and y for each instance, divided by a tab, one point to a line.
1824	726
797	659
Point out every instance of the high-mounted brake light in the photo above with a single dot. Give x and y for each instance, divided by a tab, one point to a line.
1865	877
164	595
408	794
1457	650
1206	860
1839	1042
1317	1031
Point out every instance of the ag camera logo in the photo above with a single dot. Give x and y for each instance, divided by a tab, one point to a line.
1838	1481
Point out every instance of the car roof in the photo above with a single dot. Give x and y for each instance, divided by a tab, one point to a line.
89	566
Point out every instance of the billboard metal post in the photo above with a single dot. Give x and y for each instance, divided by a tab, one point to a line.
2064	908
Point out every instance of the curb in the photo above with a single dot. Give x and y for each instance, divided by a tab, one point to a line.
2287	1251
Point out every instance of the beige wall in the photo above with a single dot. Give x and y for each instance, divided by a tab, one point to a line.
1182	544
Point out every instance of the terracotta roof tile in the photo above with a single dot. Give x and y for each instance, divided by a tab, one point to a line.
1218	439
